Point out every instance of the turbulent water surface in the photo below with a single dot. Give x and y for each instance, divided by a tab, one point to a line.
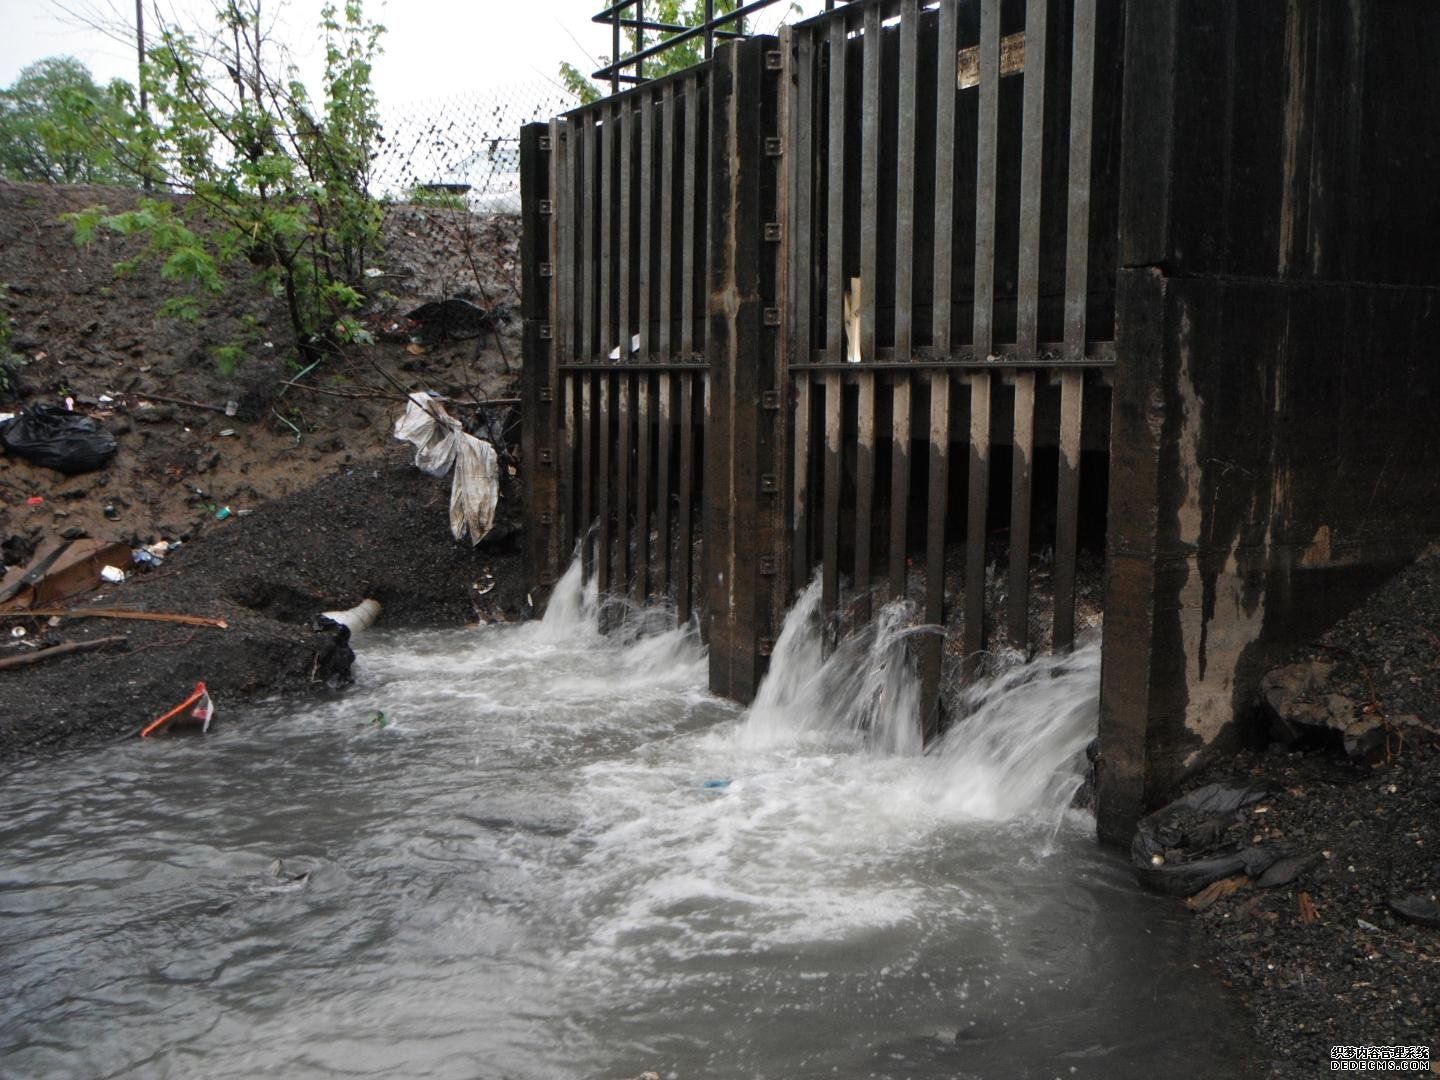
561	858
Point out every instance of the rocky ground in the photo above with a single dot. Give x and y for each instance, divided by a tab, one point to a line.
1338	943
299	502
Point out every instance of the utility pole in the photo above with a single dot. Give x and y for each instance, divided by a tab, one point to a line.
140	79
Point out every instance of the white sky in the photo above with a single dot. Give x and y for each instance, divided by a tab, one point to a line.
433	48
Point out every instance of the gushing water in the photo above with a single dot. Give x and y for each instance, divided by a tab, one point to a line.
562	858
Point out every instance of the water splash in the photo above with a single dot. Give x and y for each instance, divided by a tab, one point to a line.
866	692
644	638
1016	745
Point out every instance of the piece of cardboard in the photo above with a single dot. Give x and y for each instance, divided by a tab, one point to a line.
73	568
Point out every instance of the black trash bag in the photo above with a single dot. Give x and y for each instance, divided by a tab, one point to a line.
1191	838
51	436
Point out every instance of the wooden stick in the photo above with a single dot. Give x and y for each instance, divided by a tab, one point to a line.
117	613
60	650
179	401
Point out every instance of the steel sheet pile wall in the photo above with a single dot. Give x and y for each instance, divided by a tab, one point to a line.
952	259
617	224
898	221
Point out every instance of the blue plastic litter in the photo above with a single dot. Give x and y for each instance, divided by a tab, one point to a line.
713	785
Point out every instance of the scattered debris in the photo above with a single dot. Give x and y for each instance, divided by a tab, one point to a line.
59	571
203	709
64	649
58	439
360	617
1187	844
112	574
453	320
440	444
120	613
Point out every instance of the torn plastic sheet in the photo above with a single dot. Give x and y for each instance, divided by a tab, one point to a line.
441	445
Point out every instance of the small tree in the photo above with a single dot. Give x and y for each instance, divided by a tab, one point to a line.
57	125
277	179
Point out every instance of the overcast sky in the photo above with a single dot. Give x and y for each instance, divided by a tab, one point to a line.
433	48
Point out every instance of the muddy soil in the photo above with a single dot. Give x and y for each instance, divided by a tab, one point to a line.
96	338
1325	960
372	530
298	502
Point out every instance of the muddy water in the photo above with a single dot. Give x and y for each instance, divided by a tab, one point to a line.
561	858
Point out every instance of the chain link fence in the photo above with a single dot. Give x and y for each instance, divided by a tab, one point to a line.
466	146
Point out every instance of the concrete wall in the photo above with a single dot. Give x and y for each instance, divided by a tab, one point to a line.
1276	441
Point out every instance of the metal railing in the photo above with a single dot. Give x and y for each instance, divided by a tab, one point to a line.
629	15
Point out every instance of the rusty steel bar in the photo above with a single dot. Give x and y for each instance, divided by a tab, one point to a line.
830	524
800	520
979	496
643	446
587	467
646	115
864	493
609	137
687	229
665	386
1032	177
899	483
1077	242
602	483
684	586
905	180
983	334
802	288
1017	602
666	140
626	255
944	180
1067	523
932	649
869	179
835	196
590	269
623	450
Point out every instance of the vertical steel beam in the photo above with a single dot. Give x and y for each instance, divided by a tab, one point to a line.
688	208
587	468
979	496
905	183
1032	177
590	269
835	282
609	140
869	182
800	520
625	270
864	493
830	526
684	534
604	434
666	139
666	388
932	649
945	90
984	327
623	452
644	420
1077	241
1067	515
646	115
899	483
1017	602
802	212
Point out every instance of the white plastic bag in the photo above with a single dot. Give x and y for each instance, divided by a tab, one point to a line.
440	444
